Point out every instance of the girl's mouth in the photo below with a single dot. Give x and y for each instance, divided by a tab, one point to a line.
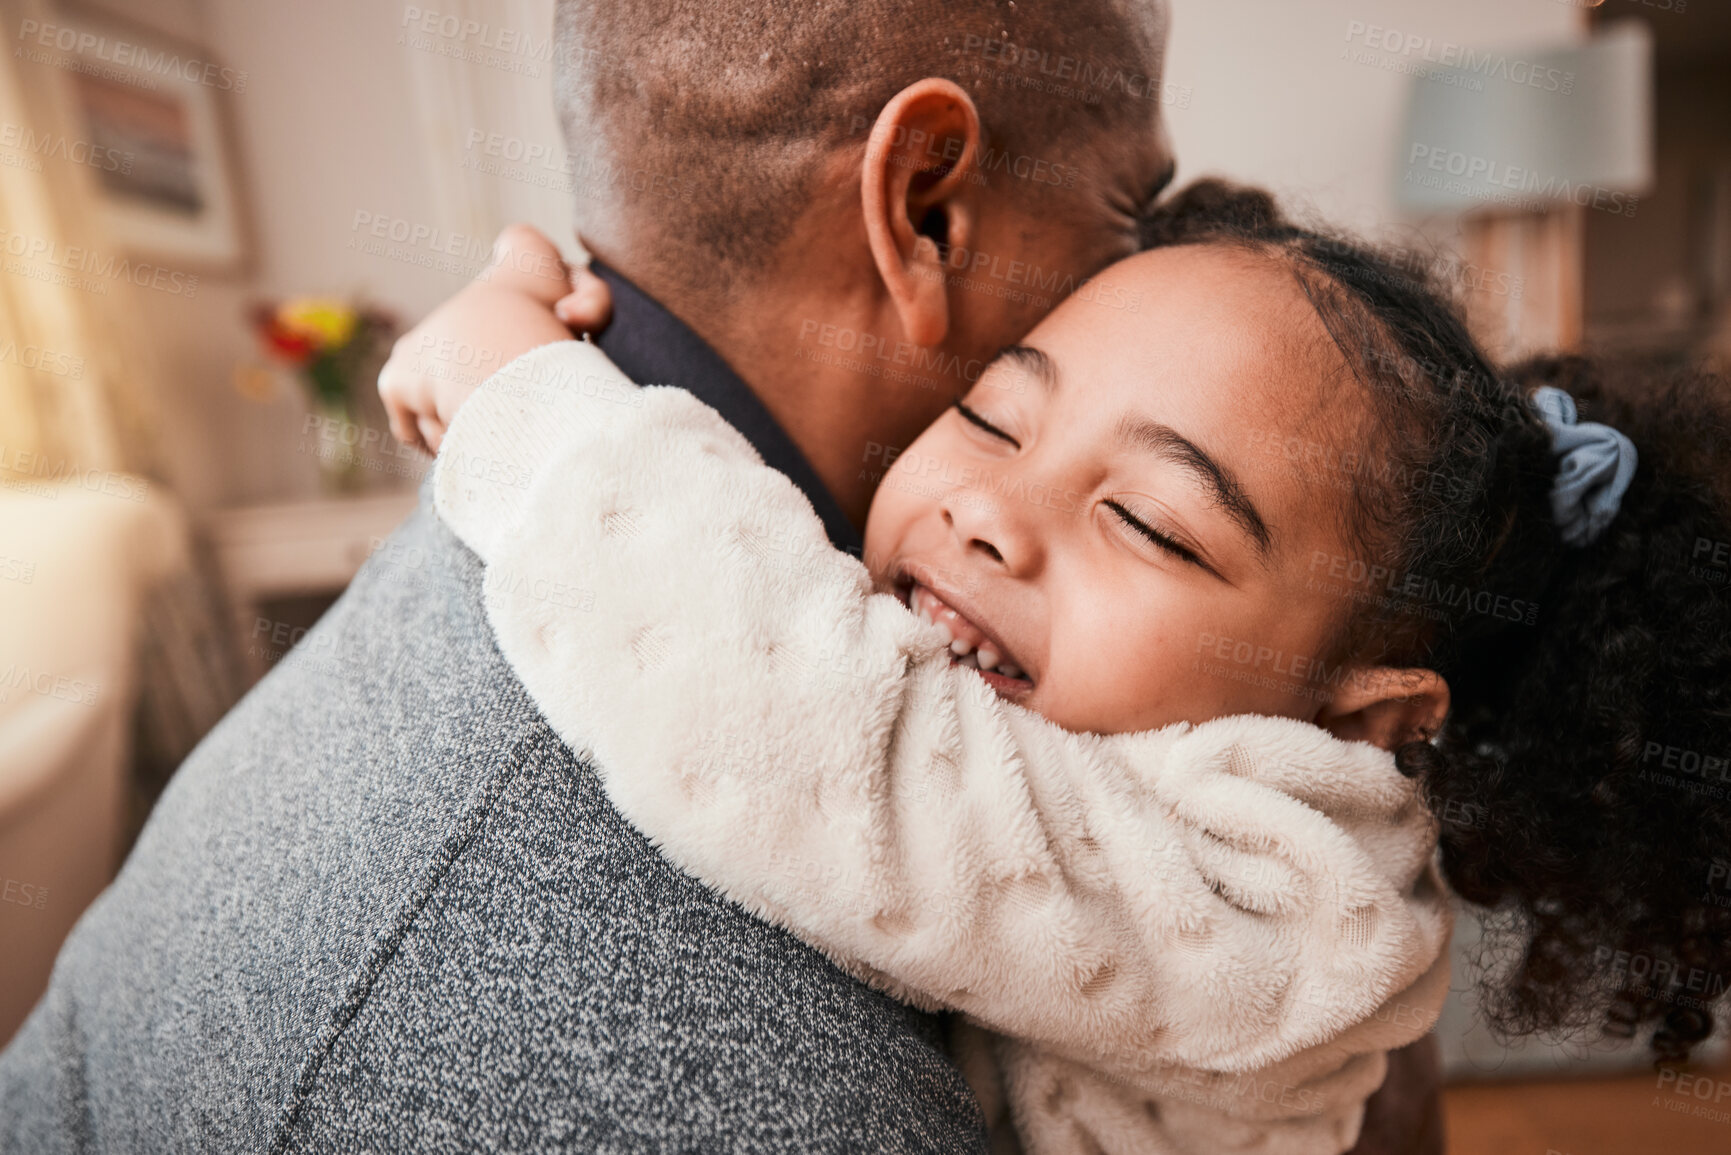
970	646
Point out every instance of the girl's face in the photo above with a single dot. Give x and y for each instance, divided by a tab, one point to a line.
1096	521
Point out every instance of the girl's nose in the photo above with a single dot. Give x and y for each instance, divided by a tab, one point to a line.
983	526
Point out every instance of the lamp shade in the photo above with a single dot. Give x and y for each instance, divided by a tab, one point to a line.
1526	131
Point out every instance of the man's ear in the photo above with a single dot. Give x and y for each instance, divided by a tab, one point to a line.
1386	707
923	149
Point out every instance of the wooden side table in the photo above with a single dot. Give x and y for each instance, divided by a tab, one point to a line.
301	549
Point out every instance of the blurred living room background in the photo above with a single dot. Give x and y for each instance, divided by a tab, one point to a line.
214	214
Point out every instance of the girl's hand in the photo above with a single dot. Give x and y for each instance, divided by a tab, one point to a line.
588	306
516	304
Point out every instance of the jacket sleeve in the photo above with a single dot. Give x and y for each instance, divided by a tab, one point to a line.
1140	904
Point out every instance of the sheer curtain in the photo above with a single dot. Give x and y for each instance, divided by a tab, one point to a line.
88	407
77	389
506	91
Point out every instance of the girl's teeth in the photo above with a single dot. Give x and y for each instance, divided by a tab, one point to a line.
983	657
977	660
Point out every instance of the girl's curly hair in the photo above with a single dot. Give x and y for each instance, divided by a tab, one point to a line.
1583	776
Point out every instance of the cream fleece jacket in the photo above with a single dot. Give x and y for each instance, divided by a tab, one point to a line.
1202	938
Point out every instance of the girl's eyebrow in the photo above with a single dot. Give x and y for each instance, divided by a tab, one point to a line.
1139	433
1032	360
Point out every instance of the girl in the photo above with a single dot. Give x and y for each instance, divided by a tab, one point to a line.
1532	566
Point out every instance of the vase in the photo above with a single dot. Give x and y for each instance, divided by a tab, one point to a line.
336	444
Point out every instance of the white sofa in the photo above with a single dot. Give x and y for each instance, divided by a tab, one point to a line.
76	559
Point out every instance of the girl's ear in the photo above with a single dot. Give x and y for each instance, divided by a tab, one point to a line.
1386	707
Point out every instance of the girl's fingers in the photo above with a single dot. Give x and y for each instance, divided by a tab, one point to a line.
406	396
432	431
588	306
402	426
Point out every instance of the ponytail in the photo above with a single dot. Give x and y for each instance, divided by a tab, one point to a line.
1586	764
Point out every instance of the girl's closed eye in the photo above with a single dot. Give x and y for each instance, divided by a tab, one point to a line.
973	417
1161	540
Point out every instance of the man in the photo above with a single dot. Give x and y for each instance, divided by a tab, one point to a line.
383	907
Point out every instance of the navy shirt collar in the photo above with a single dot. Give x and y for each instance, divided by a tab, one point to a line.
654	347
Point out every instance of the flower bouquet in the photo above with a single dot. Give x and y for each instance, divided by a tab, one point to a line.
334	347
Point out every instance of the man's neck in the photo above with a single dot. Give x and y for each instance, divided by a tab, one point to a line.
846	423
807	370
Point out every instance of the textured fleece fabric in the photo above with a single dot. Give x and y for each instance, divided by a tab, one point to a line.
383	908
1198	938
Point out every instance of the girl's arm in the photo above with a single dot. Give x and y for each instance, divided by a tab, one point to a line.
1143	904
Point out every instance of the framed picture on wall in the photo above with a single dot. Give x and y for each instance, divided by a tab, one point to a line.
154	105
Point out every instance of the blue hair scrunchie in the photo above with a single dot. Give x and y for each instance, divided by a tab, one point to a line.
1595	465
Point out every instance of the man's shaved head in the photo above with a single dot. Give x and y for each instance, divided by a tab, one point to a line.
707	120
